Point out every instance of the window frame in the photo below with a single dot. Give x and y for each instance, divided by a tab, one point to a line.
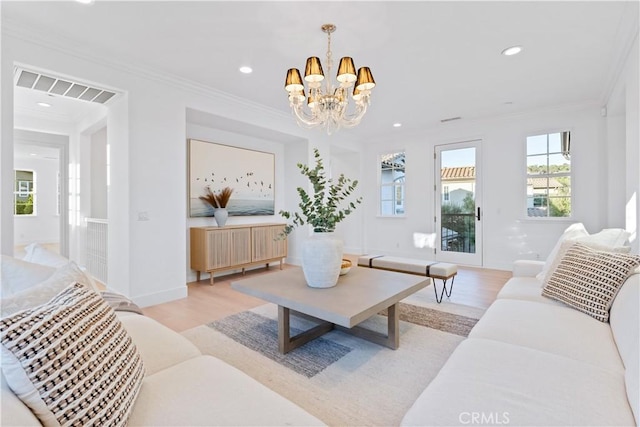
548	175
396	188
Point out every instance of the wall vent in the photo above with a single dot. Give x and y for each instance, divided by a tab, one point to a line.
63	87
450	119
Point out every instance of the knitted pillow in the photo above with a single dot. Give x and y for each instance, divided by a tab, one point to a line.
588	279
71	360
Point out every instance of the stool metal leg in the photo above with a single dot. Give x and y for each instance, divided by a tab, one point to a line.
450	287
444	289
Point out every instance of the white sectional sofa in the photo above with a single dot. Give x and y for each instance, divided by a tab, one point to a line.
532	360
181	387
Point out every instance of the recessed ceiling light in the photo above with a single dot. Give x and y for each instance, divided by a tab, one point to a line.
397	125
246	70
44	104
85	1
513	50
32	154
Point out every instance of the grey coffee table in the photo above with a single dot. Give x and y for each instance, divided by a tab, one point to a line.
360	294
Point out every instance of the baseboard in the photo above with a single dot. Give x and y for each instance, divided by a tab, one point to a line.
161	297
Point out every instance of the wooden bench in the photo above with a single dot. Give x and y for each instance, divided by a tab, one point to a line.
432	269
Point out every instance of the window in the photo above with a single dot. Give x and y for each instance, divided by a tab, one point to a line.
549	175
23	193
392	184
445	193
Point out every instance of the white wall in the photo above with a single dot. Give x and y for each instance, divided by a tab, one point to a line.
98	174
44	227
623	124
507	233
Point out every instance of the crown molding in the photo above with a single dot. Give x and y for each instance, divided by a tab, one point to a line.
72	48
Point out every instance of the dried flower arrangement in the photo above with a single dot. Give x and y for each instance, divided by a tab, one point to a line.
217	200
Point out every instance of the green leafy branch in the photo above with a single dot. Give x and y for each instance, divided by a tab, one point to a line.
321	209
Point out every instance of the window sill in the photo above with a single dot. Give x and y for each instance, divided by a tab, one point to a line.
391	216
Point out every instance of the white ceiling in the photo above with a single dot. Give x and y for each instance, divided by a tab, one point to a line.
431	60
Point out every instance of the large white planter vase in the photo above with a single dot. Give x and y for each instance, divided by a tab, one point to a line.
221	215
321	260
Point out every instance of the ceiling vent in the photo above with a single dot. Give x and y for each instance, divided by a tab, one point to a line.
62	87
450	119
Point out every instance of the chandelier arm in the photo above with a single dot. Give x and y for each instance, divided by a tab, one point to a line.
352	120
303	118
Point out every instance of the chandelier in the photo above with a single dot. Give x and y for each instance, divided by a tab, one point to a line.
328	105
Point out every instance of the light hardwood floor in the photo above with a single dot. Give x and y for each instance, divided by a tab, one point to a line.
476	287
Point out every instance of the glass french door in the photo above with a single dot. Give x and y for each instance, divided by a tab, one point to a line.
458	203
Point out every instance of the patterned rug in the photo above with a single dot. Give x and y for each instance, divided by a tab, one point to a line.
339	378
260	333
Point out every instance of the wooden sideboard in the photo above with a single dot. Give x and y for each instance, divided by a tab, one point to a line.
236	247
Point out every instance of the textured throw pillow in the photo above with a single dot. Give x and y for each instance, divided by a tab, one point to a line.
17	275
43	292
41	255
588	280
71	361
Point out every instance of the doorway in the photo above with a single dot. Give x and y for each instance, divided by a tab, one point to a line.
458	203
41	183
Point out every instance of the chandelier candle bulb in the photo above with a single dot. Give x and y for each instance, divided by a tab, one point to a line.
328	104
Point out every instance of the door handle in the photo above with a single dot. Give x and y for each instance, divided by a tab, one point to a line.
478	214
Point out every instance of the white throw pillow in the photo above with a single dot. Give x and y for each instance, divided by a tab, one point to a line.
574	231
17	275
41	255
615	238
44	291
71	361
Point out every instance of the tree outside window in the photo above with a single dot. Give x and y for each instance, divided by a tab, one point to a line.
24	193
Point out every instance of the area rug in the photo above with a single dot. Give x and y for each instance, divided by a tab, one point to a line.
356	382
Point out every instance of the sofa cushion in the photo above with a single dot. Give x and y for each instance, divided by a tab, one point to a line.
12	411
17	275
505	384
625	326
588	280
42	292
40	255
218	394
159	346
549	328
526	289
71	360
